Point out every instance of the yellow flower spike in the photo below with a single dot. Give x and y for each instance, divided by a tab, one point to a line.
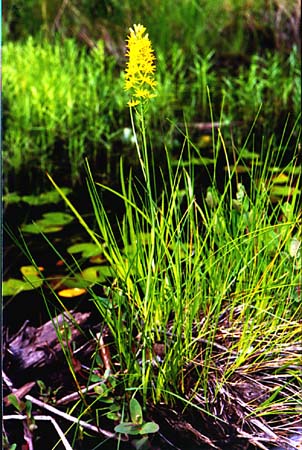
140	67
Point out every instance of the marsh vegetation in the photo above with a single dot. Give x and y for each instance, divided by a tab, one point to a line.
157	248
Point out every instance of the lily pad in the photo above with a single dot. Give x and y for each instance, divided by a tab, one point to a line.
290	170
137	429
128	428
202	161
51	222
44	198
76	282
239	168
38	227
30	270
97	273
87	249
56	218
281	178
249	155
149	427
283	191
13	286
11	198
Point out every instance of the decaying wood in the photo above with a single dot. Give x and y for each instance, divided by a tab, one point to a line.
38	347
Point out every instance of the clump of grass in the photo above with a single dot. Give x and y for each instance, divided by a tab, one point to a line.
203	312
204	308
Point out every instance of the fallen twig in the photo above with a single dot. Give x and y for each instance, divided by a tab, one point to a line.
37	418
70	418
75	395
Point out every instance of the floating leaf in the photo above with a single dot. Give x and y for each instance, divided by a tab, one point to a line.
249	155
113	415
142	239
45	198
30	270
32	282
38	228
114	412
87	249
283	191
11	198
135	429
51	222
202	161
13	286
58	281
239	169
97	273
57	218
280	179
289	169
72	292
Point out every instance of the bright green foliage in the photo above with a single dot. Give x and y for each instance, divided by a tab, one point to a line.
58	105
262	84
57	97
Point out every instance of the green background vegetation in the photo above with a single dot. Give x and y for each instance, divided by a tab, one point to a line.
63	63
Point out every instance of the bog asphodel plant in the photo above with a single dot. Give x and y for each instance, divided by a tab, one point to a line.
140	66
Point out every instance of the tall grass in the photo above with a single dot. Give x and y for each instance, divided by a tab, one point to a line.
61	103
212	282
